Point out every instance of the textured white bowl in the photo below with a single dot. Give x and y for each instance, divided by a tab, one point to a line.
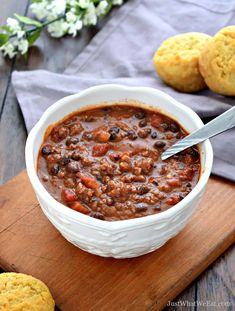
126	238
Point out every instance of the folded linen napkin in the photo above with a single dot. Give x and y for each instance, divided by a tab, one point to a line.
122	53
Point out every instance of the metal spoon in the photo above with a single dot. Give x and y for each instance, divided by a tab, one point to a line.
218	125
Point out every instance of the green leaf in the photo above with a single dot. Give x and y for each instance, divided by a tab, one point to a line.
7	28
28	21
32	37
3	39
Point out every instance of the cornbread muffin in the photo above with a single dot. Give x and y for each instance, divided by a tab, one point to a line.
21	292
176	61
217	62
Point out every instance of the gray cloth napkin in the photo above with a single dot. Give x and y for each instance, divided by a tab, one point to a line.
122	53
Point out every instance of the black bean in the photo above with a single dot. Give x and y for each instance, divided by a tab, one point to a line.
116	157
112	136
159	144
114	129
97	215
154	135
87	136
99	177
181	196
64	160
155	182
178	135
76	155
164	127
107	109
188	185
140	114
194	153
157	207
54	170
143	123
131	135
46	150
45	178
73	167
89	119
141	207
72	140
174	127
110	201
113	132
143	189
94	199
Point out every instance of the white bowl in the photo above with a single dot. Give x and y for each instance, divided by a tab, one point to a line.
125	238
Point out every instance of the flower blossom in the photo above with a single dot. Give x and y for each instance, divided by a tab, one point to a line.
15	27
117	2
84	4
101	8
39	9
56	8
90	17
59	16
8	49
57	29
73	28
23	46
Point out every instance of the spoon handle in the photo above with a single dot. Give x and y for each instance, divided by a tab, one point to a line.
218	125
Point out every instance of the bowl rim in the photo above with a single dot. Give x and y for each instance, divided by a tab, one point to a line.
119	224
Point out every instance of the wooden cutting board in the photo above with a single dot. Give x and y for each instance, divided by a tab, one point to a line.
84	282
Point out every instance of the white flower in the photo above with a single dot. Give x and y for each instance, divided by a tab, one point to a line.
58	28
117	2
73	28
13	24
8	49
70	17
39	9
90	17
101	8
20	34
57	7
51	16
72	2
84	4
15	28
22	45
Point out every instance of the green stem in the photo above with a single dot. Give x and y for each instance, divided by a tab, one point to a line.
43	25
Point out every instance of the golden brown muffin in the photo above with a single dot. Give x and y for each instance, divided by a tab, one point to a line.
176	61
21	292
217	62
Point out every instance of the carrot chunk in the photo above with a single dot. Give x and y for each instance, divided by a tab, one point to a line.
100	150
68	195
156	120
77	206
89	182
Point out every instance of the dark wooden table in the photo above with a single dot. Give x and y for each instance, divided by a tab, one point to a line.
216	284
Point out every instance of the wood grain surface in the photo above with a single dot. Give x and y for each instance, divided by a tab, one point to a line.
217	282
81	281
